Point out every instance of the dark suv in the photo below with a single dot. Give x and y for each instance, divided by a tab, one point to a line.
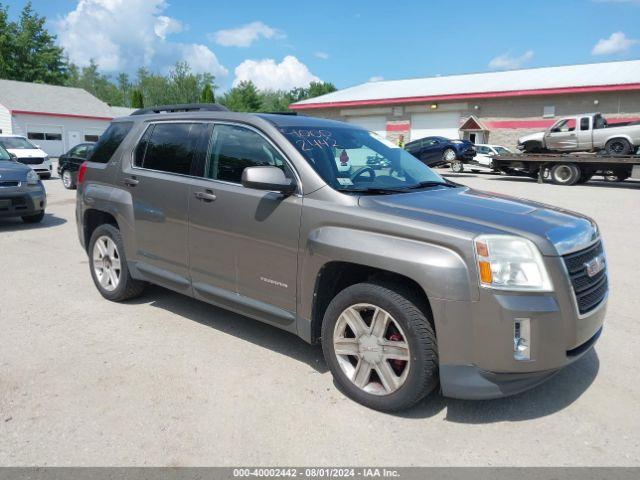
436	151
406	279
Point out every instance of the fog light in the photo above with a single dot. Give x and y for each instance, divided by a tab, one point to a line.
522	339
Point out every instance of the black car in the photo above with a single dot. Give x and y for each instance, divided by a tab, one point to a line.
435	151
69	163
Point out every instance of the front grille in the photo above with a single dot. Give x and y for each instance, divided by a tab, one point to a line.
31	161
589	291
9	183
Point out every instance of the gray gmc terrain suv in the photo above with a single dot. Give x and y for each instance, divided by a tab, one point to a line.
408	280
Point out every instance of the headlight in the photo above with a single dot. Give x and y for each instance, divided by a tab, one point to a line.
32	178
508	262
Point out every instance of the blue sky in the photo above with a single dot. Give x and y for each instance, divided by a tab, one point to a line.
280	44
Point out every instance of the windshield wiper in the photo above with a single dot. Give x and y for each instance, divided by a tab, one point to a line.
433	184
374	190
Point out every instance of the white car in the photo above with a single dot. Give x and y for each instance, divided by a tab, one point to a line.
27	153
484	153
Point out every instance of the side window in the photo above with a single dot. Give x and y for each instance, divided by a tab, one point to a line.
80	151
235	148
584	123
110	141
484	150
170	147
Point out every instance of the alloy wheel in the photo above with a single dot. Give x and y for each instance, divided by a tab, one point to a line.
67	181
372	349
106	263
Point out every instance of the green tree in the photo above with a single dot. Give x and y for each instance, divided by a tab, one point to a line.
7	43
124	85
34	55
320	88
274	101
207	94
94	82
137	101
242	98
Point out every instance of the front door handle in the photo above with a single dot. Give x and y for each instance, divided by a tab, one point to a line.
131	181
207	196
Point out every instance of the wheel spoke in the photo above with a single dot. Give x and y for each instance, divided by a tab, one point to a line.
115	263
387	376
355	321
101	248
98	263
395	351
111	248
379	323
346	346
113	277
362	373
104	278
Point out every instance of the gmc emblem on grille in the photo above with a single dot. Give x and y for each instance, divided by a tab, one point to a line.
595	265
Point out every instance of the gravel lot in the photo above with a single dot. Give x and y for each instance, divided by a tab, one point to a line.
169	381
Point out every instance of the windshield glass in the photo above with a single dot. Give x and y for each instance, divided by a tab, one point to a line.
351	159
502	150
4	155
16	142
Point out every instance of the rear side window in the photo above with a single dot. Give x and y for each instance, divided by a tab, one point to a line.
584	123
110	141
170	147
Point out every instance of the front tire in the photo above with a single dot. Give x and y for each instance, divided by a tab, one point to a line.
37	218
457	166
108	265
380	346
449	155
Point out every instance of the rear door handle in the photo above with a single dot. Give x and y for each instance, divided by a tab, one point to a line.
207	196
131	181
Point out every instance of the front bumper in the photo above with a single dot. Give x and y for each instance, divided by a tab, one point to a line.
22	201
476	338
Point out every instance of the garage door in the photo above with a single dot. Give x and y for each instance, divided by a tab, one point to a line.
441	124
373	124
47	137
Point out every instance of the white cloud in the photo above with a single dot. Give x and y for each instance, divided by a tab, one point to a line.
97	30
245	35
166	25
506	61
376	78
268	75
616	43
321	55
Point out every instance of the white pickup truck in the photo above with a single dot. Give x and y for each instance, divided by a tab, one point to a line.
589	132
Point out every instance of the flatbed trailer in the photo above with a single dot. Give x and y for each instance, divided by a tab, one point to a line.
568	168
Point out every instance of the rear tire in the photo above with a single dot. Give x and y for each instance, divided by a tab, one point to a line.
565	174
413	329
67	180
110	273
618	146
37	218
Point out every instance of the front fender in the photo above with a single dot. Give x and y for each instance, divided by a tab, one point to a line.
440	271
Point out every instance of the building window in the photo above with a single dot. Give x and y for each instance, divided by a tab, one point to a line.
53	136
549	111
35	136
91	138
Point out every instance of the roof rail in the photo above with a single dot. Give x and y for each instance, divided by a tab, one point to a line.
182	107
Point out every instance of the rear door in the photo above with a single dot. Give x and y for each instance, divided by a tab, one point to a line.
244	241
159	180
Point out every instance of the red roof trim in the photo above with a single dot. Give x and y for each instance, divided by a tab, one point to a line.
63	115
463	96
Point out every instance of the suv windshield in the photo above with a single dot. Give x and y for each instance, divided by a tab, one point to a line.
4	155
17	143
354	160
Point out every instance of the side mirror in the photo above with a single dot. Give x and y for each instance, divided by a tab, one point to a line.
267	178
13	156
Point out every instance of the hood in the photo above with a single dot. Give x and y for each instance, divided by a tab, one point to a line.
10	170
27	152
536	137
553	230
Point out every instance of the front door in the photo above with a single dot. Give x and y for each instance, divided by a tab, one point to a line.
159	183
243	243
562	136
